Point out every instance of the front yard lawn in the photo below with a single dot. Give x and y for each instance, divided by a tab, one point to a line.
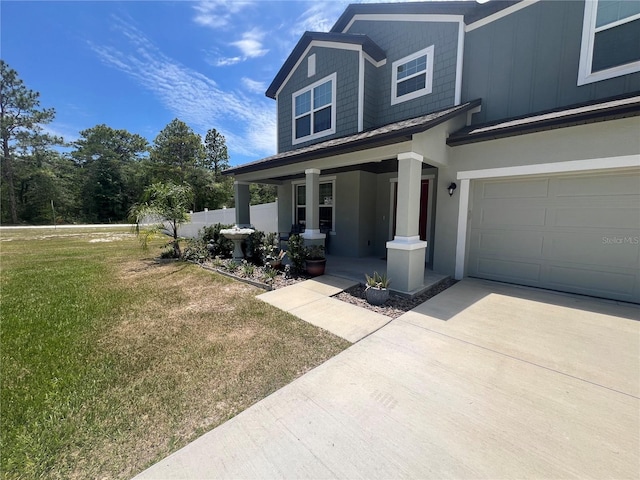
111	360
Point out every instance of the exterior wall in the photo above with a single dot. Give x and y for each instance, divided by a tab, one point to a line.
345	242
590	141
372	96
357	195
285	207
528	62
399	39
367	217
328	60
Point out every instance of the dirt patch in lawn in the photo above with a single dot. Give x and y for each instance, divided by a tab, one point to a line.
197	351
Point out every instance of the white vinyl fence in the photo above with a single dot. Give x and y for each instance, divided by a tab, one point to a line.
263	217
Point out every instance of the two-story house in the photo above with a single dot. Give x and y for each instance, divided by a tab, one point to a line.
497	140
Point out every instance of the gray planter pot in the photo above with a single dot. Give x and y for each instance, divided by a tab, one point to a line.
377	296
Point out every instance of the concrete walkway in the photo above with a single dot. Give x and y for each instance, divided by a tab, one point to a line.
481	381
310	300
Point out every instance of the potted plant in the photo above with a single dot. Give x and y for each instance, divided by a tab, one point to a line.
315	260
377	288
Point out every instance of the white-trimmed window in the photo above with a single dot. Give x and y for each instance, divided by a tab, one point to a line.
314	110
412	76
610	40
326	202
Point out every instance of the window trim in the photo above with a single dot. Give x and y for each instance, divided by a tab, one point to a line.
589	30
321	180
428	84
333	79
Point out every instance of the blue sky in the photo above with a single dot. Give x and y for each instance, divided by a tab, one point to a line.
138	65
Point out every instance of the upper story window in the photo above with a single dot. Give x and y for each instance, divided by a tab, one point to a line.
412	76
610	40
314	110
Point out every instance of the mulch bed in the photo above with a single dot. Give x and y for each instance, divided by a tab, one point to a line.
396	305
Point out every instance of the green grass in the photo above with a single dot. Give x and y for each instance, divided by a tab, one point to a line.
111	360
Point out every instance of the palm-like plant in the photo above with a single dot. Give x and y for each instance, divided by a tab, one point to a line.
163	209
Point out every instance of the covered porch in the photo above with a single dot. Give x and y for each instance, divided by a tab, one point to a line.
364	196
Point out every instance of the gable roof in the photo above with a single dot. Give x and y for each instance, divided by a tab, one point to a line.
386	135
471	10
595	111
368	46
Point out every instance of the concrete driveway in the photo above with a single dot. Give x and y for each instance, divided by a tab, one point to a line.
482	381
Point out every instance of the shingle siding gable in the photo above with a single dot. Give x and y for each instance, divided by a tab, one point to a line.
328	60
400	39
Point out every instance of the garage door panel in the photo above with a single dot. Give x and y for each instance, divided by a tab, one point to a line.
588	249
509	270
535	188
507	242
593	186
513	216
591	217
582	235
592	282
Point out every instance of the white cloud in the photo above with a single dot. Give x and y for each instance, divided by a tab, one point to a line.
251	44
253	85
192	96
217	13
58	129
226	61
320	17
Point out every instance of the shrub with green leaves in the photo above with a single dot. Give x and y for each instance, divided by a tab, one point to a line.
247	269
217	244
196	251
253	247
297	253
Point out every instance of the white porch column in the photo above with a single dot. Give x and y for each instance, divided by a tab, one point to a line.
406	252
312	222
242	199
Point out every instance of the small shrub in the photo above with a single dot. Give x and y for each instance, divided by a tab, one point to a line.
231	265
253	247
314	252
247	269
270	250
196	251
297	253
269	275
167	253
217	244
217	262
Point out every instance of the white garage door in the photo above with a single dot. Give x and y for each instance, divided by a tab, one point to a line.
573	233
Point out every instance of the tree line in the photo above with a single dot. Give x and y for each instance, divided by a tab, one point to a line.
102	175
